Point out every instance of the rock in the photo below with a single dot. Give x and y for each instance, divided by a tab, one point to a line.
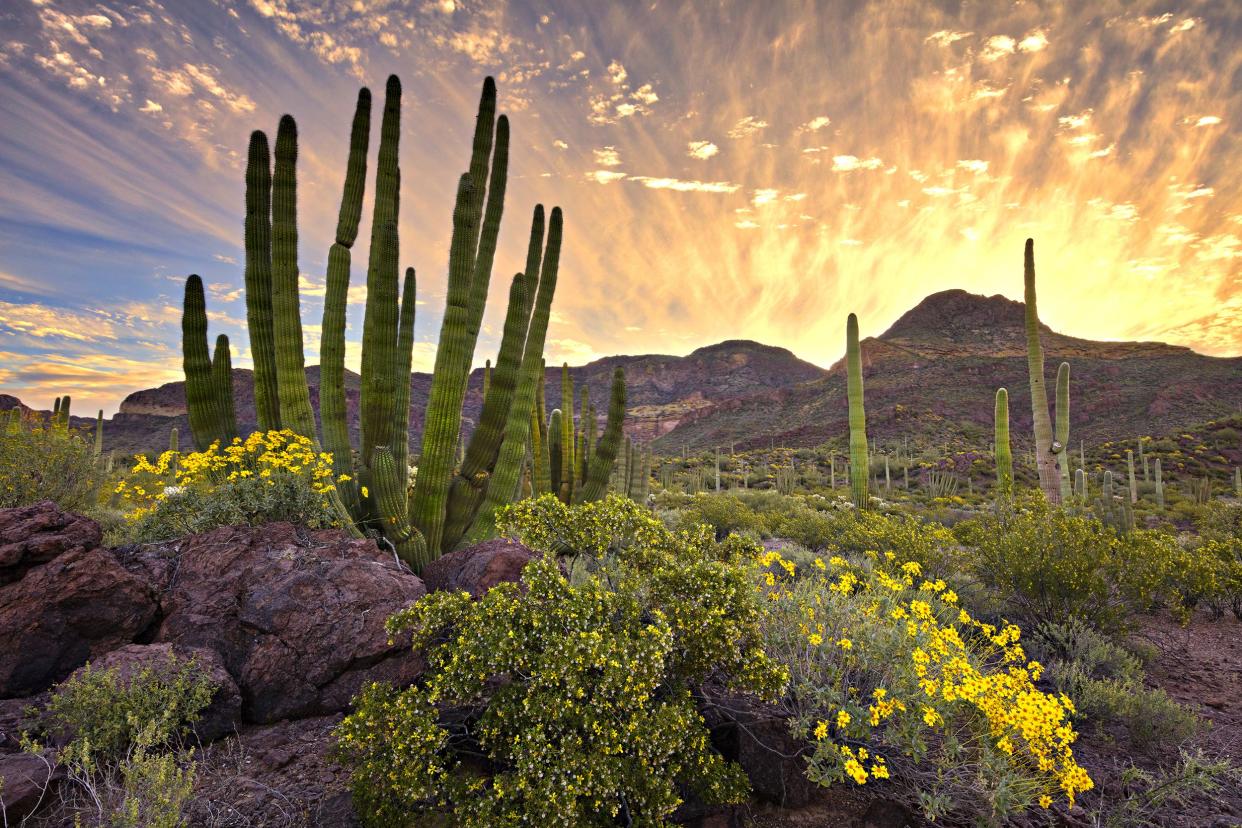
476	569
269	772
25	784
884	813
219	718
757	737
76	607
296	616
33	535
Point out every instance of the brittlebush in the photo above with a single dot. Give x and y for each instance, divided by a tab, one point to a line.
891	678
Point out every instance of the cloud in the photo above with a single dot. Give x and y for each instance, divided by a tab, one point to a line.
815	124
849	163
997	47
686	186
702	150
748	125
607	157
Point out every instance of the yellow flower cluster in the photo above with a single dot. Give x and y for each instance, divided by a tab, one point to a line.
921	661
264	455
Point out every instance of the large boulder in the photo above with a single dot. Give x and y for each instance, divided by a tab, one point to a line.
296	616
476	569
74	608
26	781
220	718
33	535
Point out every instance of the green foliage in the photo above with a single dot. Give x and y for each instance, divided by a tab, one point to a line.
577	695
1106	683
104	715
48	464
248	501
1046	564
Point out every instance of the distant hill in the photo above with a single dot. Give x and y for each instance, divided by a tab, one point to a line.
930	377
934	373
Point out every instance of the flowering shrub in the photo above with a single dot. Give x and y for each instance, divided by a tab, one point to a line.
559	703
38	463
891	678
269	476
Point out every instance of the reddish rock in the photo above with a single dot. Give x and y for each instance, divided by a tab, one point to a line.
297	616
35	534
76	607
25	784
269	772
220	718
476	569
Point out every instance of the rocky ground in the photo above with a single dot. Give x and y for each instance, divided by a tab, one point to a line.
289	623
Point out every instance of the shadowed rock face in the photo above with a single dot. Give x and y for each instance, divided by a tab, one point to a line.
476	569
297	617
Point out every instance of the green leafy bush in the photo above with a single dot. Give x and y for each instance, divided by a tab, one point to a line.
571	701
724	513
241	502
1045	565
54	464
1106	683
121	744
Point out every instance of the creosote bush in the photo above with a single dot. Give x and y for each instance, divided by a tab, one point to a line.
38	463
558	703
121	742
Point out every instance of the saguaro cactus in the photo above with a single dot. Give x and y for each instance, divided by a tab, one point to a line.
860	466
1061	433
1004	457
1046	455
1130	475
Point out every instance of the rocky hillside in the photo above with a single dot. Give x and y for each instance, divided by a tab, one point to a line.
933	374
931	377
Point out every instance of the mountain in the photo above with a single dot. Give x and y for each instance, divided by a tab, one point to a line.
931	377
934	373
660	390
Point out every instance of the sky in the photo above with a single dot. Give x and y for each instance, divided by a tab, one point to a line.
727	169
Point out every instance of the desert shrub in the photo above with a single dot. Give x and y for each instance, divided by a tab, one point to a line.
38	463
1106	683
803	525
571	701
725	513
101	714
933	547
1046	565
270	476
891	680
1148	798
121	747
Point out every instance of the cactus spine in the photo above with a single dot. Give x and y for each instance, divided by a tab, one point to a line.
259	281
1004	456
1046	460
859	464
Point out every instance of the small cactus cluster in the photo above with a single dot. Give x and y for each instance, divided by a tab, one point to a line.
460	484
572	459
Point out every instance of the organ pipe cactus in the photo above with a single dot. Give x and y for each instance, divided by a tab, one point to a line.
1004	457
407	522
860	467
1159	483
1048	456
291	387
555	449
1130	475
258	233
605	456
568	465
98	434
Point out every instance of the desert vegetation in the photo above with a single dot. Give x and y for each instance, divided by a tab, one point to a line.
979	630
